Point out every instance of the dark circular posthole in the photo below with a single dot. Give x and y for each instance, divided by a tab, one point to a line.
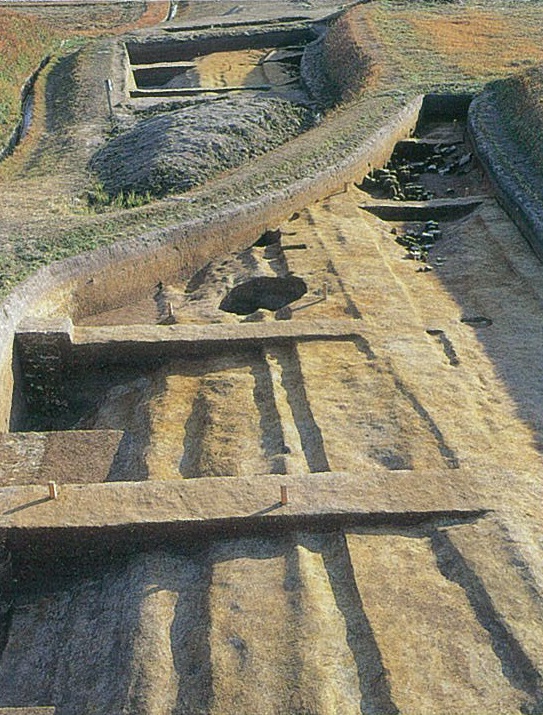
477	321
263	292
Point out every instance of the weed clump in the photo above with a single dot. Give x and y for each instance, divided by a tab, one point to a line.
98	199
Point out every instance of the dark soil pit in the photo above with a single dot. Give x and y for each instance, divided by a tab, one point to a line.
165	76
263	292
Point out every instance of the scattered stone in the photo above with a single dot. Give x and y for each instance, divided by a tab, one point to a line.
418	243
397	180
257	317
283	313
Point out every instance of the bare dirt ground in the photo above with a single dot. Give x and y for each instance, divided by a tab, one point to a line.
96	18
421	390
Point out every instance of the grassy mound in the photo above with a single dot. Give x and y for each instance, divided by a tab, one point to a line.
181	149
349	61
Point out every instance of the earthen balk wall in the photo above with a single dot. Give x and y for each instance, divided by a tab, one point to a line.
517	185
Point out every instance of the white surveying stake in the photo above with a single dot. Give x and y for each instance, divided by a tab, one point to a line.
109	89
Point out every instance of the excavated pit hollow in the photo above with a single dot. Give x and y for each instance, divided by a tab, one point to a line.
264	292
186	66
174	50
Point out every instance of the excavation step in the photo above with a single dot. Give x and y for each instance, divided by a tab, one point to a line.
133	342
439	209
76	457
235	504
191	27
191	91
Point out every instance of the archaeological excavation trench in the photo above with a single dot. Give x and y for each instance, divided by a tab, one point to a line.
193	105
268	61
364	353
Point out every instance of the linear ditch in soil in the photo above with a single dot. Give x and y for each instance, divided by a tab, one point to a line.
27	110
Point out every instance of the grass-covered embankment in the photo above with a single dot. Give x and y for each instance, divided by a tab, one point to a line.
506	121
519	102
24	42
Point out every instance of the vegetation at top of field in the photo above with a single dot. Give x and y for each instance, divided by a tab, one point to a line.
24	42
27	35
434	45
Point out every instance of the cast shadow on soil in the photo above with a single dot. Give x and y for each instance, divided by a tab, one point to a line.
27	505
516	665
509	332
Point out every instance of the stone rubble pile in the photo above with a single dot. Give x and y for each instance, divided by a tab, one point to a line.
397	180
419	242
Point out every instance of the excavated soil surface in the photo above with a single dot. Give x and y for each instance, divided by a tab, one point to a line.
275	69
441	330
186	630
433	377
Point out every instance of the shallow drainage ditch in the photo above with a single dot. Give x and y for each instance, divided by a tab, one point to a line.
27	109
